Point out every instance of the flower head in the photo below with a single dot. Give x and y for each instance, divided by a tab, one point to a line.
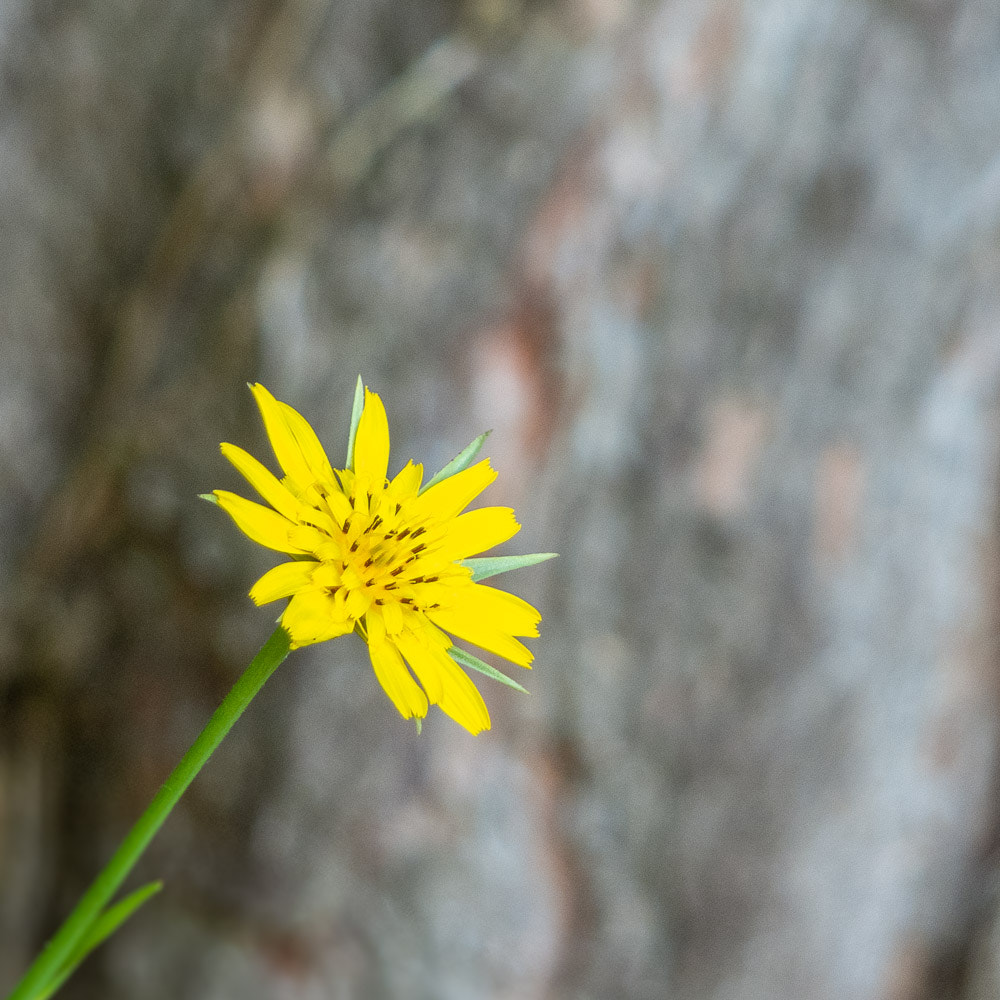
384	558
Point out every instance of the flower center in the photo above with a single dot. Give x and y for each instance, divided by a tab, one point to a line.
382	559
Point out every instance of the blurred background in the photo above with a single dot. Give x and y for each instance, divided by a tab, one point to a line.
723	278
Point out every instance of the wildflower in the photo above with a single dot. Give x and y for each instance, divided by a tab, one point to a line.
384	558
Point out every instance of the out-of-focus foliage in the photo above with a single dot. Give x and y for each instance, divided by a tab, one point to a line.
722	277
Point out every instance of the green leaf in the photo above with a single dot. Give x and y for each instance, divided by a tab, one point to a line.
359	405
459	463
101	929
464	659
485	567
210	497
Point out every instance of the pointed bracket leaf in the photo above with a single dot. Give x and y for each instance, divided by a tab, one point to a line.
464	659
359	405
486	566
101	929
459	463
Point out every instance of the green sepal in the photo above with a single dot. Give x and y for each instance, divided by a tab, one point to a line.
464	659
209	497
101	929
486	566
359	405
420	724
459	463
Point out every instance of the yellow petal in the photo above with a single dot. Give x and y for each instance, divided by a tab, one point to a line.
455	493
326	575
406	483
286	448
461	700
261	524
282	581
375	626
310	539
318	519
262	481
393	615
312	616
477	531
358	602
446	684
305	438
339	505
420	657
497	609
402	689
371	446
346	477
474	630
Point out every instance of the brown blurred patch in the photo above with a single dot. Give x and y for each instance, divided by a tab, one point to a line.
840	483
908	972
517	387
711	53
733	442
562	216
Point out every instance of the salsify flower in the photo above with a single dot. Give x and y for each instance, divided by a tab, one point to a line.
392	560
385	558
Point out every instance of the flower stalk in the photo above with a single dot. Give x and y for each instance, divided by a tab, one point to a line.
63	952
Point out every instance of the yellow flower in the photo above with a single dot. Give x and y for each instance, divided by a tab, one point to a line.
383	558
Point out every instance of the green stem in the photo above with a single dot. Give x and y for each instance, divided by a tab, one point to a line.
97	897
